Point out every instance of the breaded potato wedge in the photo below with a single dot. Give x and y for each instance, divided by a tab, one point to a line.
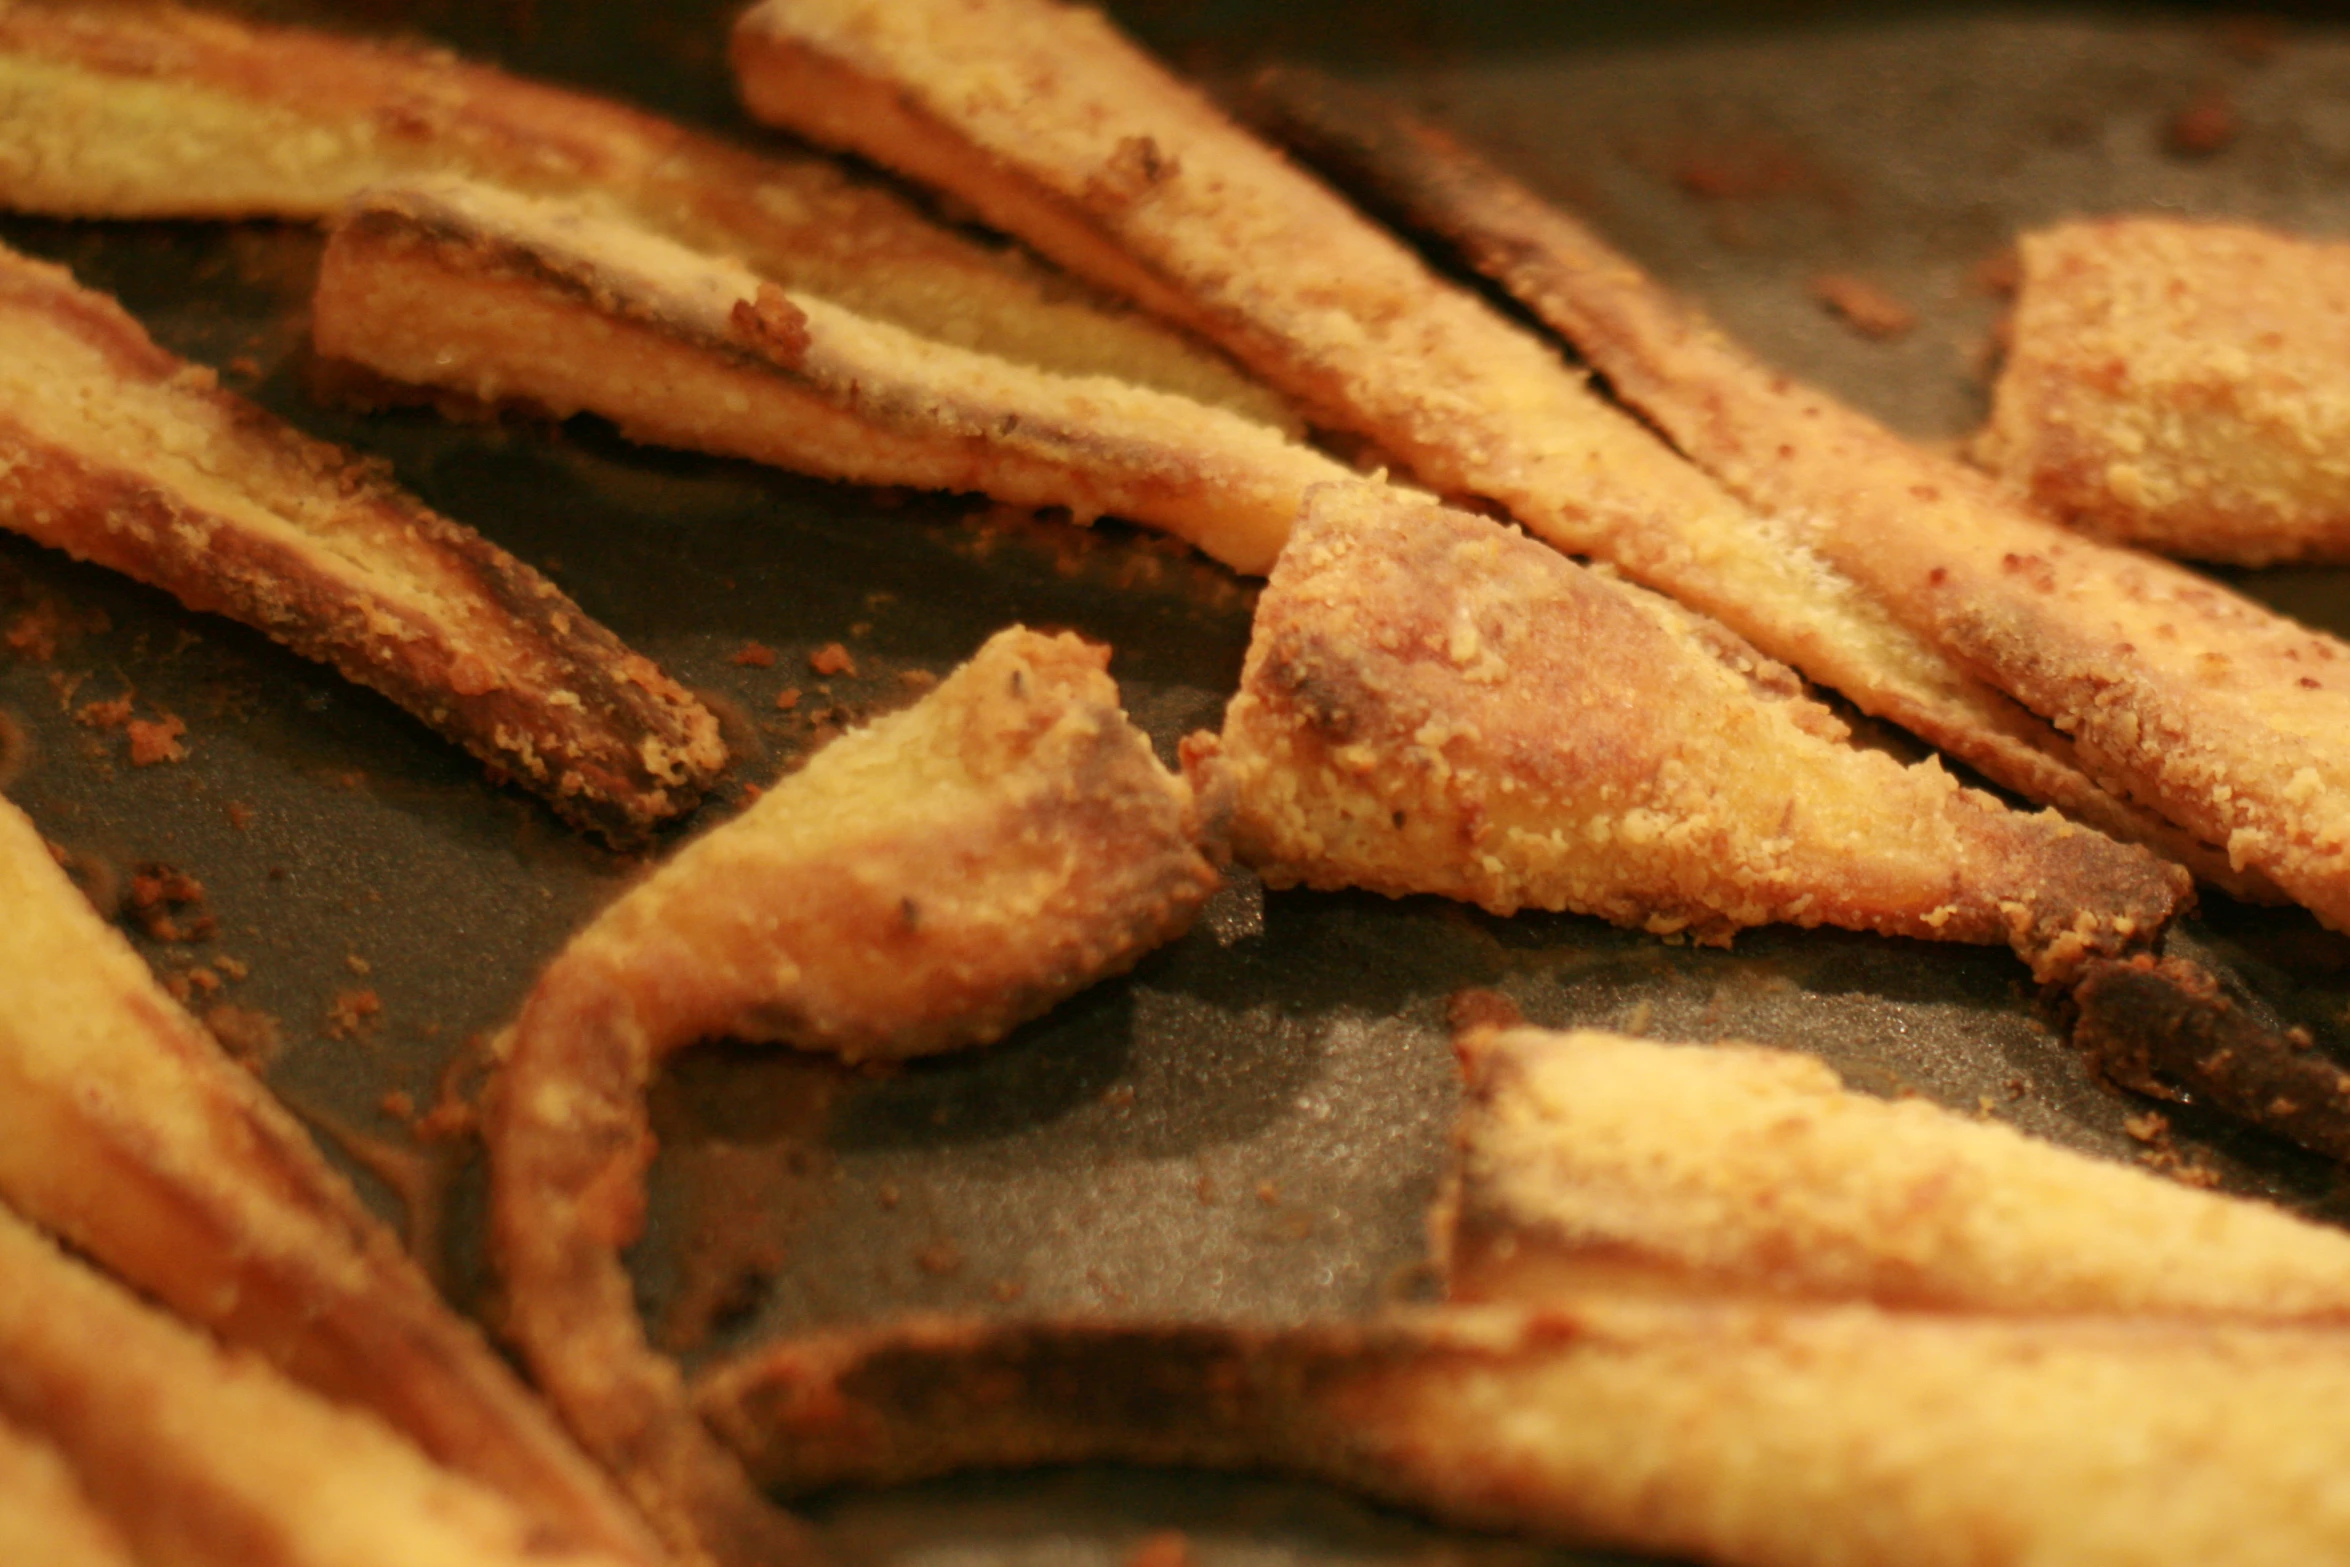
126	1130
924	883
202	1455
1586	1160
2181	386
141	110
1435	704
1742	1434
1052	126
117	452
2212	710
505	298
44	1517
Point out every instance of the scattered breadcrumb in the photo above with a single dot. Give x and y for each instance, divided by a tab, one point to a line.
832	659
787	699
1864	306
352	1012
157	741
753	655
250	1036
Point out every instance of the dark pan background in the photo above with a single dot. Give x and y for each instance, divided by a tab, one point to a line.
1251	1124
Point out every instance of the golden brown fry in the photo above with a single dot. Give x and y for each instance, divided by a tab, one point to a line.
1745	1435
925	883
1434	704
116	452
45	1520
2181	386
202	1455
1589	1160
126	1130
499	297
142	110
1055	128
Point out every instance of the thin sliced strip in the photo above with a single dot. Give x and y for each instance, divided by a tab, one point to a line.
206	1455
1434	704
1058	130
126	1130
1587	1160
117	452
1750	1436
139	110
45	1520
922	884
505	298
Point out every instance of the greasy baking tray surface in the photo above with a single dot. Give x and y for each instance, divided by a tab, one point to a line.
1251	1124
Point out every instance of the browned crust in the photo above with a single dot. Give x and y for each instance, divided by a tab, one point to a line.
505	298
345	569
1431	704
926	883
141	110
126	1130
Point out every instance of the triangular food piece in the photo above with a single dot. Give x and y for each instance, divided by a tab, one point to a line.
1432	703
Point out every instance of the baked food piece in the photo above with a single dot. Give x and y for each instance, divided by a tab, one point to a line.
44	1517
142	110
504	298
1585	1160
1435	704
200	1454
2181	386
126	1130
924	883
117	452
1052	126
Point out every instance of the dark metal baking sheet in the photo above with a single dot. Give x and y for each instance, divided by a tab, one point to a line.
1250	1125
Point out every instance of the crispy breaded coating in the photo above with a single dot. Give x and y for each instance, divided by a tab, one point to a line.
125	1129
1055	128
505	298
117	452
1435	704
2181	386
130	110
1742	1434
1590	1160
922	884
203	1455
44	1517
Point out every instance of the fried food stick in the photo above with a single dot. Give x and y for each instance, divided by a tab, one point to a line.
922	884
2181	386
127	1131
1590	1161
44	1517
504	298
1053	127
2225	717
1743	1434
202	1455
154	111
116	452
1434	704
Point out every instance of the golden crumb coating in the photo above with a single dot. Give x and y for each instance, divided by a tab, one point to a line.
1587	1159
2182	386
116	452
505	298
125	1129
1433	703
44	1517
128	110
922	884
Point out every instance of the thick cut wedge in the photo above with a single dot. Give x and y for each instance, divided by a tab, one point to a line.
116	452
921	884
44	1516
504	298
136	110
127	1131
1435	704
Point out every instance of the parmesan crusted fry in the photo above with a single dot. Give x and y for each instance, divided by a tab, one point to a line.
116	452
1055	128
1434	704
204	1456
922	884
126	1130
44	1517
1588	1160
505	298
2181	386
143	110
